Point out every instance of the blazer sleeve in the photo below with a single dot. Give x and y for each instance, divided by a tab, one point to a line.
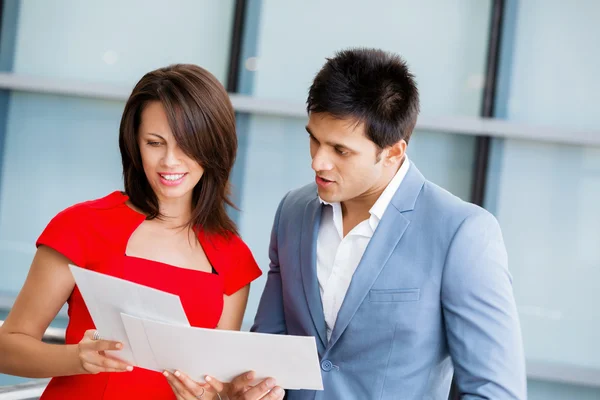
270	317
482	324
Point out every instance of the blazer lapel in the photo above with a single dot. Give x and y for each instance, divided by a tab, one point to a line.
390	230
308	266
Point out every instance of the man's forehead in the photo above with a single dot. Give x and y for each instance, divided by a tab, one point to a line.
319	124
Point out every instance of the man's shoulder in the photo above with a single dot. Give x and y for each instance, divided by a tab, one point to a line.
440	203
300	197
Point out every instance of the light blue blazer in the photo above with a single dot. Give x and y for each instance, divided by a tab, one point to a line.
431	297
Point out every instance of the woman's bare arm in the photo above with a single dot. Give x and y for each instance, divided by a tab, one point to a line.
233	310
48	286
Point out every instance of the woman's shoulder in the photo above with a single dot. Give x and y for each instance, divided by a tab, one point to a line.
232	258
228	242
72	230
90	213
110	201
114	199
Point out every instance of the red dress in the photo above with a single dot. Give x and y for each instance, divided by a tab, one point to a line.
94	235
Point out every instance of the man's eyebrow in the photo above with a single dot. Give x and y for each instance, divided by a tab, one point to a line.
341	146
332	144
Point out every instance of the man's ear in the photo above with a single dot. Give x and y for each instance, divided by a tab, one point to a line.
395	153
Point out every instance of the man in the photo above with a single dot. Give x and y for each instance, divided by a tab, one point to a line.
401	283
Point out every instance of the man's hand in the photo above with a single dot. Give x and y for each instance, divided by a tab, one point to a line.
240	388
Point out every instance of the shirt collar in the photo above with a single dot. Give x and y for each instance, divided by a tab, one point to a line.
385	199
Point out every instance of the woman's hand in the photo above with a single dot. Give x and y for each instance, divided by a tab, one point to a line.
186	388
92	357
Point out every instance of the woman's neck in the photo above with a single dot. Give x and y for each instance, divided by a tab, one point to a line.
175	212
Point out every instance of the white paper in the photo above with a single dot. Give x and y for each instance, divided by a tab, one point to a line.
106	297
291	360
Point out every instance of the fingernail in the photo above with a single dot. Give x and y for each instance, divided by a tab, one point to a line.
278	391
270	382
250	376
119	346
207	378
129	368
165	373
177	374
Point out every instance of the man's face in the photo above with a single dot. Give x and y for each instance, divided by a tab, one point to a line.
347	164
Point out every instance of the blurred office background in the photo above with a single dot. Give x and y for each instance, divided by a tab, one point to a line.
509	120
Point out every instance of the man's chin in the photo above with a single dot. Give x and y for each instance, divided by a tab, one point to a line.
327	196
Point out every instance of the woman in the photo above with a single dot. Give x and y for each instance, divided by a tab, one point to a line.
169	230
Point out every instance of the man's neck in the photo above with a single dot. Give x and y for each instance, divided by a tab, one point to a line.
361	205
356	210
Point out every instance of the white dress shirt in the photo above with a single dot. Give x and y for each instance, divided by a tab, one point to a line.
338	256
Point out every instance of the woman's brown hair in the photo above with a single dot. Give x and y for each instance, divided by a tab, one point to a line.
202	120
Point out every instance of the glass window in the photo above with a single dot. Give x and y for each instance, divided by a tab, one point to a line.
553	79
276	160
118	41
444	44
58	151
547	203
546	195
445	159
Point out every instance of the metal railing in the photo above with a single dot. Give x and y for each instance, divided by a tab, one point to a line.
24	391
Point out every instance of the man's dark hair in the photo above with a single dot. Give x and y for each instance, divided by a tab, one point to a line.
372	86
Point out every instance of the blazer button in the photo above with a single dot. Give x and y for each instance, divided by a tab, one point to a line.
326	365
